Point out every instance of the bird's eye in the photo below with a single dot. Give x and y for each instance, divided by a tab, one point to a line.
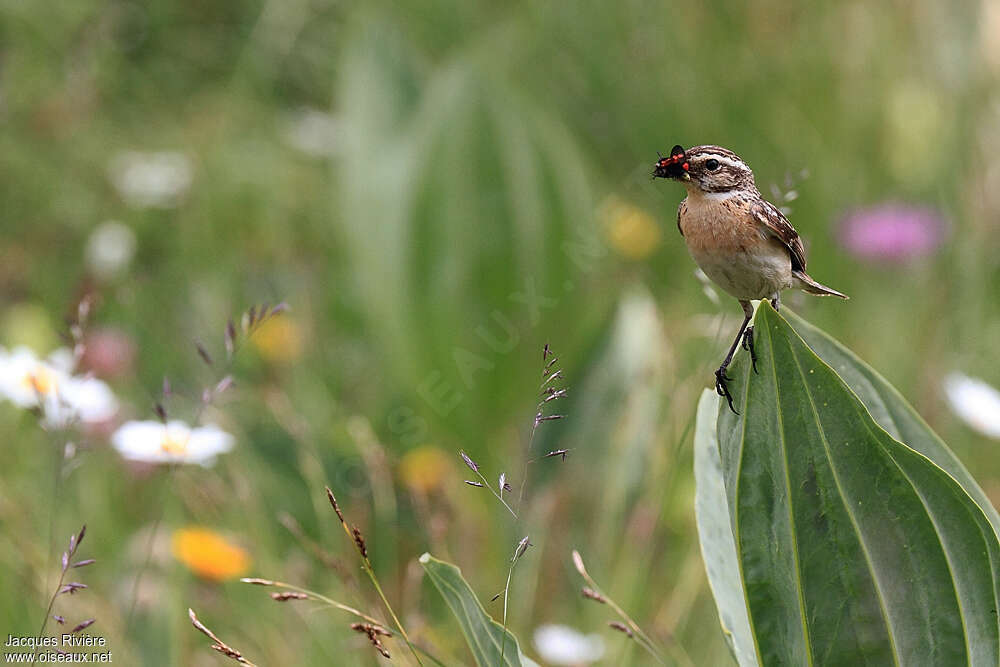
712	164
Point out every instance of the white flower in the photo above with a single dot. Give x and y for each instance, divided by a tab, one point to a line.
562	645
110	249
976	402
30	382
151	180
312	132
173	442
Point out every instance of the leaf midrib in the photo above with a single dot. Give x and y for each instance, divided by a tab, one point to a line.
472	620
849	511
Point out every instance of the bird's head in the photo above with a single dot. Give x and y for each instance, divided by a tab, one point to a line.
705	169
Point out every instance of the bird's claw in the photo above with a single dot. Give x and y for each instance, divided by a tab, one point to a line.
748	346
722	388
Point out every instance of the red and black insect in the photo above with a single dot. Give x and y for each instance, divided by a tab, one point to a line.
672	166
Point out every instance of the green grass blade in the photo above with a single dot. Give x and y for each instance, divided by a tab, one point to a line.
483	634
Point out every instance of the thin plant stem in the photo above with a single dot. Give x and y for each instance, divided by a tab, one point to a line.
506	590
498	496
527	461
641	637
547	378
149	547
313	595
237	346
366	565
48	611
399	625
67	563
219	645
319	597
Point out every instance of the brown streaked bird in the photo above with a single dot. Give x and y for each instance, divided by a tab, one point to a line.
739	239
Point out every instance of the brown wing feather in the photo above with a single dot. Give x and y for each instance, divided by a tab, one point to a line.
779	227
680	209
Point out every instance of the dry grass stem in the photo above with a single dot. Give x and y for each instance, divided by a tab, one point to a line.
313	595
70	588
621	627
288	595
362	547
631	628
372	632
219	645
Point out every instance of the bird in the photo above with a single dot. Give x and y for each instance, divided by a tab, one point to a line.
741	241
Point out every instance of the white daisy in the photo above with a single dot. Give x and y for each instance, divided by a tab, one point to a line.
562	645
173	442
30	382
976	402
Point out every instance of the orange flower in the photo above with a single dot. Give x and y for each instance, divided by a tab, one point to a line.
209	555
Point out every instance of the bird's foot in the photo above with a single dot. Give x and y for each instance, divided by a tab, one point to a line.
722	388
748	346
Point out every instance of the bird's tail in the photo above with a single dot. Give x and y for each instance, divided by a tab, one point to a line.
807	284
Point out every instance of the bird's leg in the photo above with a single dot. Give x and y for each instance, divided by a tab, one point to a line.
720	375
748	335
776	301
748	346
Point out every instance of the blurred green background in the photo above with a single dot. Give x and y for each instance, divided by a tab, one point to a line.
437	189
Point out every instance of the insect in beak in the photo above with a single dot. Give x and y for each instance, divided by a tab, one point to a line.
673	166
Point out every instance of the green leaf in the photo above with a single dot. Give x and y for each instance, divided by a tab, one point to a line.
853	548
487	639
715	533
471	202
888	407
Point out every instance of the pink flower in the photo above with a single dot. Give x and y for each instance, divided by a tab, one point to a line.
892	232
109	353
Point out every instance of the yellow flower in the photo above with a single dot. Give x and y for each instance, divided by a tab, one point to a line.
209	555
631	231
424	468
279	339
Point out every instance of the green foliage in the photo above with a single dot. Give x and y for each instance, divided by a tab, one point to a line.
464	145
889	409
460	158
852	547
715	534
489	642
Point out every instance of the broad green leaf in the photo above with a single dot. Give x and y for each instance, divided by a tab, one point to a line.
471	202
853	548
487	639
715	534
889	408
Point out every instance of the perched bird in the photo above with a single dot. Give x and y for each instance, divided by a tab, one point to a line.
739	239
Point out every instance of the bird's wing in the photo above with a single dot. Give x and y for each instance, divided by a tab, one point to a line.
680	209
777	225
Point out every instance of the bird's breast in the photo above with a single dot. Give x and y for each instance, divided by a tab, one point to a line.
729	245
719	224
